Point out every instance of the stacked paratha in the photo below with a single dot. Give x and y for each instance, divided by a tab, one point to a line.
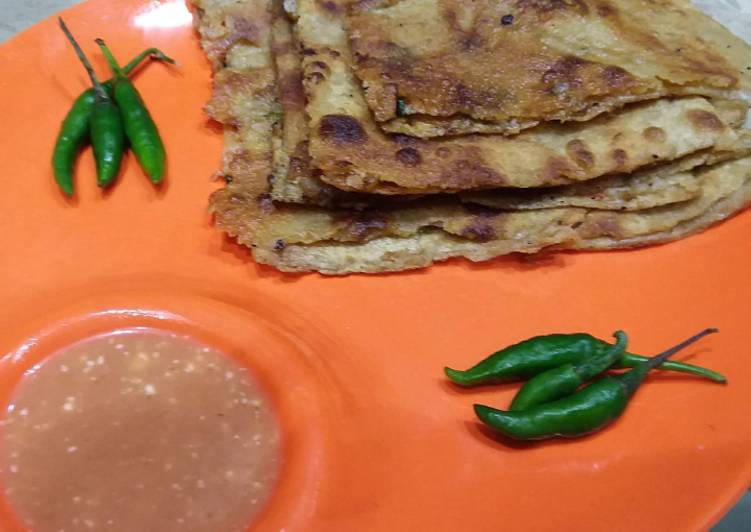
382	135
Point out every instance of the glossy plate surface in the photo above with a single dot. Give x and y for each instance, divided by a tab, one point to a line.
375	439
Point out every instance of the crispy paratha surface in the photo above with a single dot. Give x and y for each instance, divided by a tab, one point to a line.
353	153
654	187
394	235
597	232
294	180
519	62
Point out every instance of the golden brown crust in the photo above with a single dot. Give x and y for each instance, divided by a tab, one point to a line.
248	107
354	154
721	210
535	60
292	179
396	234
727	188
654	187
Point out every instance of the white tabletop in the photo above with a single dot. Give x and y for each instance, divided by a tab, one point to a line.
20	14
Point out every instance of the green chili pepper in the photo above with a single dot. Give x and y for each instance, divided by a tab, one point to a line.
581	413
526	359
74	131
105	123
140	128
564	380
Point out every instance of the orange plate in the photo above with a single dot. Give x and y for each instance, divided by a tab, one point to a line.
375	439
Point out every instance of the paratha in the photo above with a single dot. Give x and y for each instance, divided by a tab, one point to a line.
520	62
293	180
430	245
352	153
389	235
721	210
654	187
245	101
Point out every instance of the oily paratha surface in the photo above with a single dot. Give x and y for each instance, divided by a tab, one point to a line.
393	254
294	180
515	63
654	187
352	152
390	235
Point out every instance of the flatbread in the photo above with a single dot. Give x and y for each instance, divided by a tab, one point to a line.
293	180
392	238
717	182
395	254
622	192
233	33
654	187
390	235
520	62
721	210
245	101
352	153
599	233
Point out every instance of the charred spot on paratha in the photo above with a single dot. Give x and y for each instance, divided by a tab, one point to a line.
341	129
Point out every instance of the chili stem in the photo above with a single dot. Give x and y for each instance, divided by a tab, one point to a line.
110	58
155	53
100	92
662	357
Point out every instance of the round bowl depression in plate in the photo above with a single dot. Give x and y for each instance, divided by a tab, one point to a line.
374	437
263	340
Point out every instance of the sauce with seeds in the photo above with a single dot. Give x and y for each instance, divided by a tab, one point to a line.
139	430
